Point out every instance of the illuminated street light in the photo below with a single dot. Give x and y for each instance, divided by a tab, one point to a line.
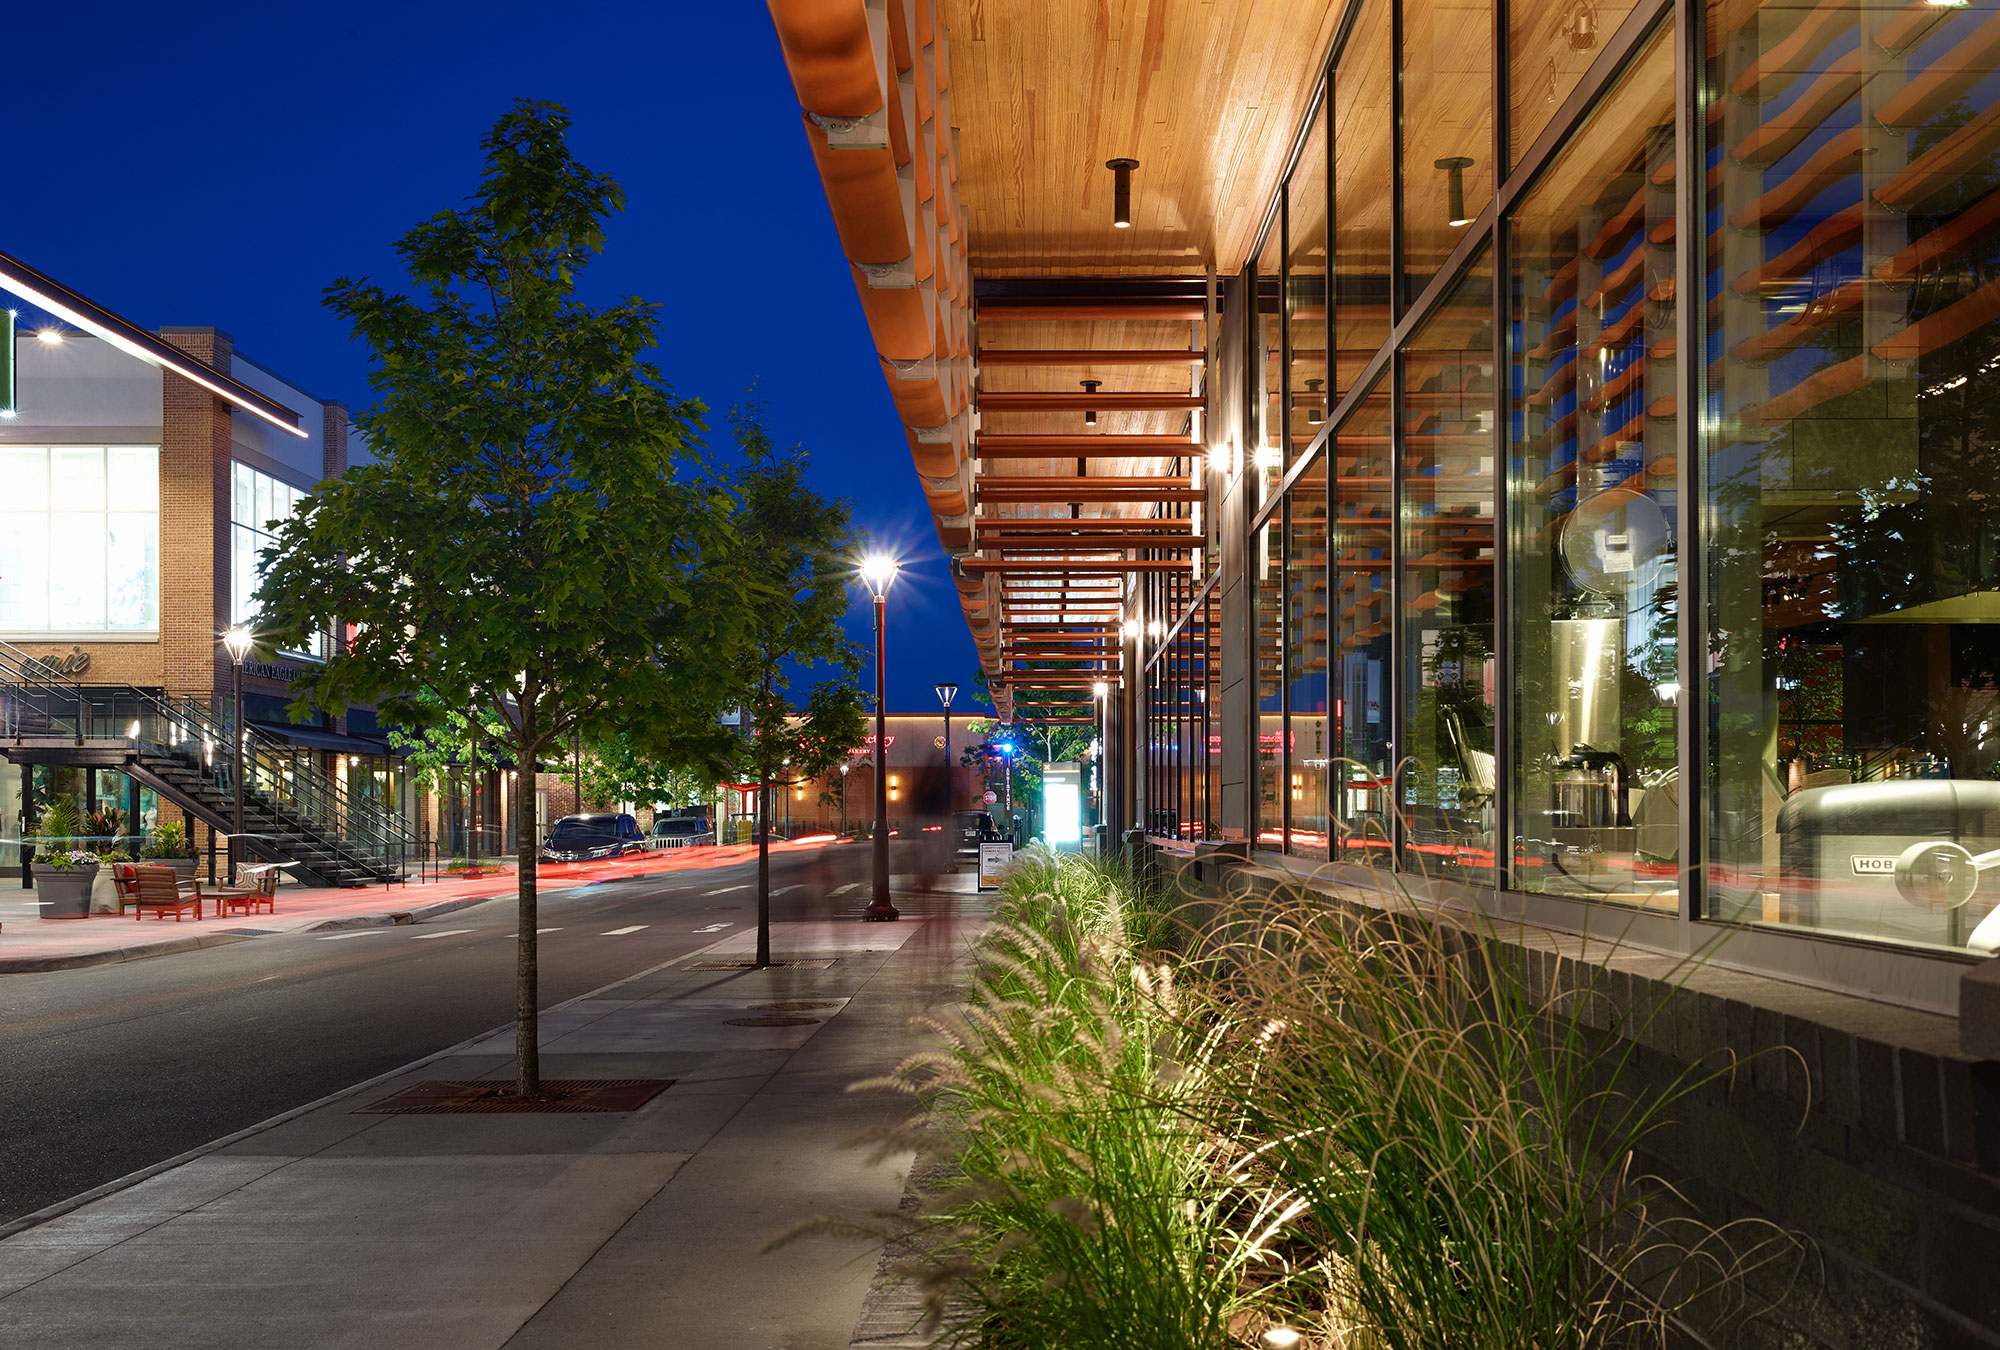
879	571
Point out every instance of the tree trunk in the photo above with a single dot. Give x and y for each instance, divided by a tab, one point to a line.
527	1010
763	870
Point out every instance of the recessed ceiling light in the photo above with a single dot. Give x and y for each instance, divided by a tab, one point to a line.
52	336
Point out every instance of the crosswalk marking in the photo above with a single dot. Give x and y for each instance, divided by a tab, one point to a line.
848	887
449	932
621	932
724	890
359	932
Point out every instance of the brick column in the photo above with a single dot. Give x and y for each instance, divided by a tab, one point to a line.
194	520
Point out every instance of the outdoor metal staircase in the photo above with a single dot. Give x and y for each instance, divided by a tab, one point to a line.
293	812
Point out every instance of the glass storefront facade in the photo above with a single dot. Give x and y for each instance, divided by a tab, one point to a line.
1622	395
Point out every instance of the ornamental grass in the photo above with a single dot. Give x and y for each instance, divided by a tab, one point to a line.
1361	1124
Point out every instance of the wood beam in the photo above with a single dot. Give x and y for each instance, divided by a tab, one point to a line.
1117	356
1058	525
1027	566
1038	401
1005	445
1058	311
1066	496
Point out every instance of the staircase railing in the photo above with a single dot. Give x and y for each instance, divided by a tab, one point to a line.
39	701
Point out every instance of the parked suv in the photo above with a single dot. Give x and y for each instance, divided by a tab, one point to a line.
681	831
579	838
974	828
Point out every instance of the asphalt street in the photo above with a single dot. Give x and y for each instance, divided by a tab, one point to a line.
107	1069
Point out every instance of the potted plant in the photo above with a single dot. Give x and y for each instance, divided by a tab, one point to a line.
104	890
63	878
170	845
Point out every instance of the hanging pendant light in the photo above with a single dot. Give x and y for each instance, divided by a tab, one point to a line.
1316	409
1121	191
1456	165
1090	414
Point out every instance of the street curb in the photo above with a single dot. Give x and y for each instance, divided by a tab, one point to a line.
147	1173
35	965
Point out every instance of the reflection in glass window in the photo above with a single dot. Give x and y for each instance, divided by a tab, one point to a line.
1549	47
80	540
1447	133
1445	781
1308	729
1267	546
258	504
1363	189
1852	557
1305	288
1362	614
1592	541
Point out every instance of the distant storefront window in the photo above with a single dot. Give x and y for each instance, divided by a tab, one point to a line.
258	504
79	539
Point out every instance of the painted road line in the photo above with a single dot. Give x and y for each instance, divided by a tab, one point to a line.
782	889
852	885
724	890
363	932
714	928
621	932
449	932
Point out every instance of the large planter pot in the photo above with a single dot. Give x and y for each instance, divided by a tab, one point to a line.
104	892
64	894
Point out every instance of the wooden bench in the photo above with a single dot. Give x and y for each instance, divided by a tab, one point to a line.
159	889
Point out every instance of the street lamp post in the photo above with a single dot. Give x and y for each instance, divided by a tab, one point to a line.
238	643
879	571
946	693
844	766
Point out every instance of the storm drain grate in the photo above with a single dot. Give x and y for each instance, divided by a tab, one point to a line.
771	1021
752	965
586	1096
792	1005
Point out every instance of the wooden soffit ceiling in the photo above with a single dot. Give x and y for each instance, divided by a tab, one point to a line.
1206	95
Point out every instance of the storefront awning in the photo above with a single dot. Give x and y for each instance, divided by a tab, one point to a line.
317	738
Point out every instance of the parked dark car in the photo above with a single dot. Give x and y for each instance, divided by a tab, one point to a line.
681	827
974	828
583	838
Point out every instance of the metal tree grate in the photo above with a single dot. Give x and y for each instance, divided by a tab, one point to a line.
485	1096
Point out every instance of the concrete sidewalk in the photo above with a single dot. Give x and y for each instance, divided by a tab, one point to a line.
534	1231
30	943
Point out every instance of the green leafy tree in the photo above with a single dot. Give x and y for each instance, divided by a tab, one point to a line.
799	547
617	768
538	541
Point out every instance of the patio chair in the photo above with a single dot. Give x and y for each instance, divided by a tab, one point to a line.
159	889
261	893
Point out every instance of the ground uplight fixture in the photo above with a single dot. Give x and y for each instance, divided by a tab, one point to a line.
1121	191
1316	409
1455	166
1090	414
1281	1338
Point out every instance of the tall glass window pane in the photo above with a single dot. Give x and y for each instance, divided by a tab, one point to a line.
1269	454
1447	131
24	572
1308	729
1852	548
1450	490
1363	188
76	578
1592	542
258	501
1549	47
1305	286
66	565
132	564
1268	562
1362	550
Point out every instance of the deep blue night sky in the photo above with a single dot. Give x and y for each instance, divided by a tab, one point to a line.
221	165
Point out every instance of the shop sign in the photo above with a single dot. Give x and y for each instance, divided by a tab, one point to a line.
264	670
994	860
73	662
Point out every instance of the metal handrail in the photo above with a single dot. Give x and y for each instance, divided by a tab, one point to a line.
193	733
